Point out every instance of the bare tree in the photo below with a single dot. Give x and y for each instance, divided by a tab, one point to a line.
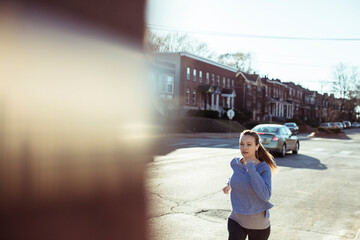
346	85
346	81
176	42
238	60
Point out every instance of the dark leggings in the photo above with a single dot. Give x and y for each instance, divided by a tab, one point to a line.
237	232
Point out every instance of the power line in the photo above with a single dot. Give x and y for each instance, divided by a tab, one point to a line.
169	29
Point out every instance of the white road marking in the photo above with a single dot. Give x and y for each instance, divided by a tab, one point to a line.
345	152
332	154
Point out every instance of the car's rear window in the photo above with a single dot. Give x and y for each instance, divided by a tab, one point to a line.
290	124
266	129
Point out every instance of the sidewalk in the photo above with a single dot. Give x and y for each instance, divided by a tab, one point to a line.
202	135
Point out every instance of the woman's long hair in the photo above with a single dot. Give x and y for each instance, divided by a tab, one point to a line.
263	154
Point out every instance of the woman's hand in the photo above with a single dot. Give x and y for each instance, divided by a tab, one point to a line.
226	189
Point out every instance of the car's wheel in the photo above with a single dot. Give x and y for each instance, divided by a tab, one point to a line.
283	151
296	150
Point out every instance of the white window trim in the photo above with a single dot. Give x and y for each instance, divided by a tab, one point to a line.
187	96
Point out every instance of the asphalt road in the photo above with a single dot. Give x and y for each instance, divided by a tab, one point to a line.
316	193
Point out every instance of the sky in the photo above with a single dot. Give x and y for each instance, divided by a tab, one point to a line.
289	40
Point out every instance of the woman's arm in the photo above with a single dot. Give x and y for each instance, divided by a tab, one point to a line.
261	183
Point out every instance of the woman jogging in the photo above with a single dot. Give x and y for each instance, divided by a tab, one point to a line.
250	187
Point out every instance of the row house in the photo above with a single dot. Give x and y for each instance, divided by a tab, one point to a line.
268	100
252	93
201	83
183	81
310	107
334	110
280	105
296	97
324	107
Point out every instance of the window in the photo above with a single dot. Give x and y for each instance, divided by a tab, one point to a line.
218	80
232	83
188	73
194	78
187	96
162	83
170	84
228	83
207	78
194	97
200	76
284	132
213	79
166	84
224	82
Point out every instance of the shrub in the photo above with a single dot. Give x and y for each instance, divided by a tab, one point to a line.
321	129
334	130
203	113
312	122
251	124
296	120
242	116
328	130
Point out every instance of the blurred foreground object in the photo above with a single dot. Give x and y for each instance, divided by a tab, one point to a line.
75	120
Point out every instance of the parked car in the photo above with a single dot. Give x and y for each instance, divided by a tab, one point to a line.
333	124
293	127
325	125
339	125
355	125
277	138
347	124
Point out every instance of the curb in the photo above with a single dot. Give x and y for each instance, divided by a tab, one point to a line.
203	135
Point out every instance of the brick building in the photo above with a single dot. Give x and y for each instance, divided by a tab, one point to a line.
252	93
184	81
201	83
162	80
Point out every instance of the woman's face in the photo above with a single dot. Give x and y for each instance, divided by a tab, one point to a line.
248	146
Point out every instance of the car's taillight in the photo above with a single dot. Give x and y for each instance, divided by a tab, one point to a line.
275	138
261	133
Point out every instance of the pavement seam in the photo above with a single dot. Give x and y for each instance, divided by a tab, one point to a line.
203	197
